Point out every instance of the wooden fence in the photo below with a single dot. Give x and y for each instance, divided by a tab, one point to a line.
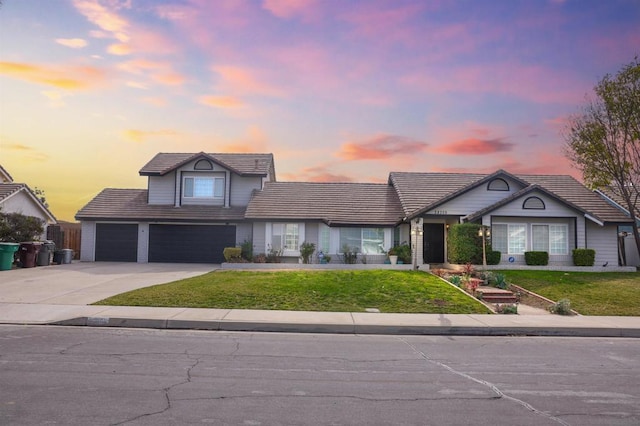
65	237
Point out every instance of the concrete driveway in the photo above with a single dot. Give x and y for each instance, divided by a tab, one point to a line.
82	283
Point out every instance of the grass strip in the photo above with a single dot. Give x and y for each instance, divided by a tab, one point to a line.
332	291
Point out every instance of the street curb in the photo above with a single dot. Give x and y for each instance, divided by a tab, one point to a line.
248	326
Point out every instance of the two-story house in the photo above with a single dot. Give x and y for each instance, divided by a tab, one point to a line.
194	206
197	204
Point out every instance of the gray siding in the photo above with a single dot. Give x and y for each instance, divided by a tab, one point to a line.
242	188
259	237
88	241
474	200
604	240
162	189
311	234
244	232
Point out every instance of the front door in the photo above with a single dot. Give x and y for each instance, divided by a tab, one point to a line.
433	243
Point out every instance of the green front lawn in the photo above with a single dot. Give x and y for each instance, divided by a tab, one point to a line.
590	293
335	291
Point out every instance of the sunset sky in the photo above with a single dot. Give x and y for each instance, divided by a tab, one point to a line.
337	90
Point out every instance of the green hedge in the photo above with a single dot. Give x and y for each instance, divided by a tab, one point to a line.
536	258
493	257
231	253
584	257
464	245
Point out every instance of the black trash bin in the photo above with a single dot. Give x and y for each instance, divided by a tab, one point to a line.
58	257
45	254
28	253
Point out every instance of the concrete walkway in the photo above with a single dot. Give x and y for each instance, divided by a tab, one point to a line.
60	295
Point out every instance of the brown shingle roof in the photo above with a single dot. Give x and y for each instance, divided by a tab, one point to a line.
131	204
7	189
422	191
417	191
242	164
333	203
568	188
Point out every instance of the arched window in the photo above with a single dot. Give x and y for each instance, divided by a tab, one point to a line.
498	184
533	203
203	165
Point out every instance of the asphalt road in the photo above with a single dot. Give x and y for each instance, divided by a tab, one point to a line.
95	376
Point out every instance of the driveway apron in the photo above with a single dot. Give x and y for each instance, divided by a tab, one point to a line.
83	283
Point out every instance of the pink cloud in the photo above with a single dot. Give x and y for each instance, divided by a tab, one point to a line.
136	135
318	173
107	20
220	101
160	72
255	140
475	146
73	43
380	147
245	81
288	9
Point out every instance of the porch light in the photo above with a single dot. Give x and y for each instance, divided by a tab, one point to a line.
416	232
484	232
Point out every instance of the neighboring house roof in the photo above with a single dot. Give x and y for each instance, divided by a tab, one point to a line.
617	201
8	190
420	192
242	164
5	177
333	203
131	204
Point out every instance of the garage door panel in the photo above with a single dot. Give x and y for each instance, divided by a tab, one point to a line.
190	243
116	242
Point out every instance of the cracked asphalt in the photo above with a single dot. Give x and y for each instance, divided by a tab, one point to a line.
89	376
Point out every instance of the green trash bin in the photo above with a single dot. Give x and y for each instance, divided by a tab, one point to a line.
7	251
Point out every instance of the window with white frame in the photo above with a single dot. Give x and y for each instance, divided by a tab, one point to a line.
364	240
324	239
509	238
203	187
285	237
553	239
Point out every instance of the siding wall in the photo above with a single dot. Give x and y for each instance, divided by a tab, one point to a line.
604	240
244	232
162	189
474	200
242	188
259	237
88	241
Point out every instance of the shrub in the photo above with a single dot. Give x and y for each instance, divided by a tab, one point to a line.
274	255
455	280
247	250
493	257
403	252
536	258
17	228
260	258
349	254
306	251
584	257
500	281
232	254
507	309
464	244
562	307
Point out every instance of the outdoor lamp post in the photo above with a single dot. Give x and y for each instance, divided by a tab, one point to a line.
415	232
484	232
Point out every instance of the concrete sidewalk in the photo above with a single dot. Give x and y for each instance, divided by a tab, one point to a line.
68	289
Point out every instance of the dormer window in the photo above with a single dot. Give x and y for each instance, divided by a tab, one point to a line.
533	203
498	184
203	165
203	187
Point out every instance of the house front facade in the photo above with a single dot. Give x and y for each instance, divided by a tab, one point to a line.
19	198
197	204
